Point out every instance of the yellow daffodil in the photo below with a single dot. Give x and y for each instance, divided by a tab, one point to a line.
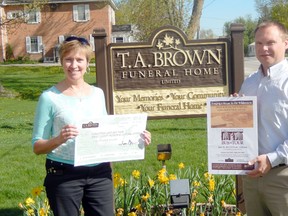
117	180
116	184
163	179
21	206
211	184
208	175
119	212
30	212
42	212
136	174
151	183
202	214
132	214
139	208
46	201
181	165
29	201
194	194
162	176
145	197
82	211
169	213
196	183
238	214
172	177
193	204
162	171
116	176
120	182
210	199
37	191
223	203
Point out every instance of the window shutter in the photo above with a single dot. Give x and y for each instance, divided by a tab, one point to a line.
61	39
87	12
28	44
75	13
26	16
91	41
10	15
39	41
38	16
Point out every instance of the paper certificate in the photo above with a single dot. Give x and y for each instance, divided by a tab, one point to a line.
232	134
110	138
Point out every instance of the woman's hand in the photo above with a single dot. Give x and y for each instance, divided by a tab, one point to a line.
68	132
147	137
43	146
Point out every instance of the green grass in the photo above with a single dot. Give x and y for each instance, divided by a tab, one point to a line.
21	170
29	82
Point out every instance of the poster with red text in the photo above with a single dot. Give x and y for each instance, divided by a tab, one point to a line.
232	134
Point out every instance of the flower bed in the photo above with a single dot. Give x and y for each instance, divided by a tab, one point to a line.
142	195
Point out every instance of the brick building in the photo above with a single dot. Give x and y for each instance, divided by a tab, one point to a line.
41	30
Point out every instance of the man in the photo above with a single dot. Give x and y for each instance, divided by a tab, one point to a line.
266	187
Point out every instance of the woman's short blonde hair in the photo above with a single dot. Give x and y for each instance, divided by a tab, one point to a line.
74	43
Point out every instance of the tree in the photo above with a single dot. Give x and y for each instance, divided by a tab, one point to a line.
249	26
263	8
147	15
21	15
206	34
194	22
279	13
272	10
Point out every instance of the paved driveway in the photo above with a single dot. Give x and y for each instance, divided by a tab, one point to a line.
251	64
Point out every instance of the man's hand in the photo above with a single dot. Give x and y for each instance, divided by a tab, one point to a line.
262	166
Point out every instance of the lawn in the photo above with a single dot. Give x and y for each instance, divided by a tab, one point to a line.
21	170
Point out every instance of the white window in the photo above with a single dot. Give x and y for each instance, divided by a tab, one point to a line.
14	14
91	41
118	39
34	44
61	39
81	13
33	16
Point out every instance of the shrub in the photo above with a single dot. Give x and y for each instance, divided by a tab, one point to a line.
9	52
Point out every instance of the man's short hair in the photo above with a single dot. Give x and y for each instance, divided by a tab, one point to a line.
269	23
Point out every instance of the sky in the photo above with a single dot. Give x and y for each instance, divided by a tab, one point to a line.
216	12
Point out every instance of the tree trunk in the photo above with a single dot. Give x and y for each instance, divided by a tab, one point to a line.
194	22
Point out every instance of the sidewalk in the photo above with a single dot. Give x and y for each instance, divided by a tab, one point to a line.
251	64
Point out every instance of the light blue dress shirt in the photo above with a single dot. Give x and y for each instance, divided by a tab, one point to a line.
55	110
272	103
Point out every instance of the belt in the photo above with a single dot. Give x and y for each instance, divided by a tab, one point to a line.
58	168
280	165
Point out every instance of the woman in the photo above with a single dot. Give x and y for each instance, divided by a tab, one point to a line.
58	111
